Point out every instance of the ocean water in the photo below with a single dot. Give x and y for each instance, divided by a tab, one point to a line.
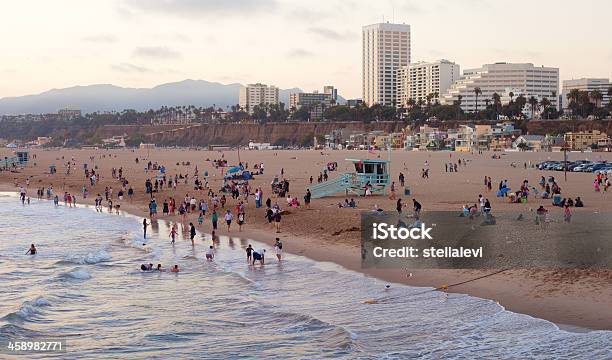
85	285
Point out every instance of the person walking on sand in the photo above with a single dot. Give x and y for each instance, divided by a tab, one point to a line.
144	227
307	198
241	216
213	219
277	220
417	208
228	219
392	191
567	214
192	233
278	248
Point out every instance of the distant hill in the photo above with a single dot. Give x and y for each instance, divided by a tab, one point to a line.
107	97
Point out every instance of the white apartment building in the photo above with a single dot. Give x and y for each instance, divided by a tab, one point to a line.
501	78
418	80
386	48
316	102
257	94
587	84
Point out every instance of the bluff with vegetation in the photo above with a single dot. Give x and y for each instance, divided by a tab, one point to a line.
283	134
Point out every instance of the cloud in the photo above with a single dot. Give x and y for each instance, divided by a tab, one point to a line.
300	53
159	52
129	68
199	8
101	38
307	15
330	34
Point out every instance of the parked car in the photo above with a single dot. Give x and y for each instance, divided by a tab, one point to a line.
599	166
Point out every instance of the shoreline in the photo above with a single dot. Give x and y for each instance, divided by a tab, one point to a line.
322	232
260	235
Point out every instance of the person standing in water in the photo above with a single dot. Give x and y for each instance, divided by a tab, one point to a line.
144	227
192	233
173	234
249	252
32	250
278	247
210	253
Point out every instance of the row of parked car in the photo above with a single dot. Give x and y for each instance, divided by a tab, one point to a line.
602	167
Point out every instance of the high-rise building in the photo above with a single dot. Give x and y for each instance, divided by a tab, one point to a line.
386	48
502	78
316	102
418	80
257	94
589	85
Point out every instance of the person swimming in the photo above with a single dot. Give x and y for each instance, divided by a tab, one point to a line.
32	250
149	267
175	269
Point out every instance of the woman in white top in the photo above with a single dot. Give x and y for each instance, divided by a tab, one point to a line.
278	247
228	219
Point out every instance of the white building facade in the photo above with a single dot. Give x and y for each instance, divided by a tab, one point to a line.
418	80
503	78
316	102
589	85
257	94
385	49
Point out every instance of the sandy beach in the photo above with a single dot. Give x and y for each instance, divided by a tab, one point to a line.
324	232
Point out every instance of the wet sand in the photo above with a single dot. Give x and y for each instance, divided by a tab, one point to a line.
326	233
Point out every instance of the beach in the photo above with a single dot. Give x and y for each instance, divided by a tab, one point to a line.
325	232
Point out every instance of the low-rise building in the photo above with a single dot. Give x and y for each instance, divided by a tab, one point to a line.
583	140
532	142
69	113
464	141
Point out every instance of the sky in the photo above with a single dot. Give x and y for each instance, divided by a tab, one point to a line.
307	44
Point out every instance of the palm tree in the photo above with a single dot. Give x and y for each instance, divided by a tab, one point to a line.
597	97
457	104
410	103
429	97
545	103
533	101
496	103
477	92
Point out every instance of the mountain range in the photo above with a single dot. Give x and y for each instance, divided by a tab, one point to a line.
107	97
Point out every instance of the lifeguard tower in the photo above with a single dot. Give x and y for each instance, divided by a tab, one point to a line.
373	173
21	158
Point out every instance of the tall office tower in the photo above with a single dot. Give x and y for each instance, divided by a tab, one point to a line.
386	48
